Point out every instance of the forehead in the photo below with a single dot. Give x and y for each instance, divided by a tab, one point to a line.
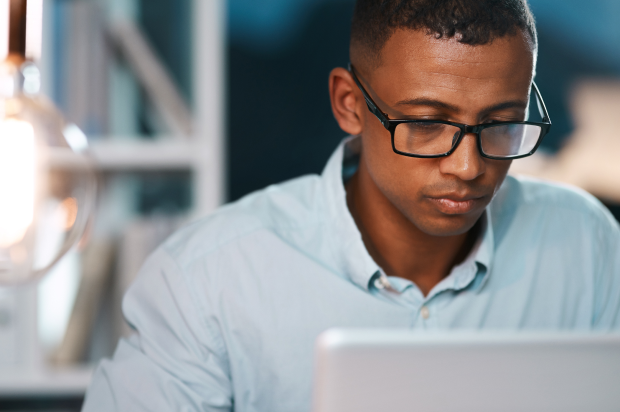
412	60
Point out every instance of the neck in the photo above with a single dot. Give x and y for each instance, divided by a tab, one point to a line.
396	244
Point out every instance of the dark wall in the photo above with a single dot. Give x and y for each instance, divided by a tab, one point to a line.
280	123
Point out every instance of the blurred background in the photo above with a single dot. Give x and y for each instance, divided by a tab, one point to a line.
188	104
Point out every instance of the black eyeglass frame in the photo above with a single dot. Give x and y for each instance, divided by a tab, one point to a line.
390	125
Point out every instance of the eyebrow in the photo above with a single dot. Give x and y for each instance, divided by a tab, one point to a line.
421	101
438	104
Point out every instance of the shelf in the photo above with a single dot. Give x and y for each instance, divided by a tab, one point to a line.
140	155
49	382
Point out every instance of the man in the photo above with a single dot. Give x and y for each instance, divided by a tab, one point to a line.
413	224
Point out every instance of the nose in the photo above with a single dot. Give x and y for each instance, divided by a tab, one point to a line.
465	162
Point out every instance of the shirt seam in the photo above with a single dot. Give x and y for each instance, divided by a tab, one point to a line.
274	229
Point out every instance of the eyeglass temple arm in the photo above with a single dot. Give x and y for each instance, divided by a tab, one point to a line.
542	109
372	106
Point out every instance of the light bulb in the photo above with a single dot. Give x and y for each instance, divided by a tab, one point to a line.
47	182
17	180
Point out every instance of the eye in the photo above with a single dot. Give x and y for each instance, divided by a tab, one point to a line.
493	121
427	126
502	119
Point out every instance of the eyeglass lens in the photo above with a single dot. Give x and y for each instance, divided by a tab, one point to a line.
509	139
504	140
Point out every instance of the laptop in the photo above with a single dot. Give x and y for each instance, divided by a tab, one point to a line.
361	370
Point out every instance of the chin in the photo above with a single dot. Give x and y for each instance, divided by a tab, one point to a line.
445	226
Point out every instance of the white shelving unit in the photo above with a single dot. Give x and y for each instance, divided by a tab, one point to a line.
143	155
209	86
202	154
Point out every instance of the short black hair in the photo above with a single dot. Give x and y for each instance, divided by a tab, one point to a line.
474	22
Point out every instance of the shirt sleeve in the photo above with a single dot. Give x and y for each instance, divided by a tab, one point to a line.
607	277
176	361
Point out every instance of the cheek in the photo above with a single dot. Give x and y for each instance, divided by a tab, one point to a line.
398	177
377	149
378	155
497	171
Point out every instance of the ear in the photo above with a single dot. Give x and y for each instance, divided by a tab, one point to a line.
347	101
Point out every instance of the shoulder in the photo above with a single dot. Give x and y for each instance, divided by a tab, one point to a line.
276	209
519	193
532	193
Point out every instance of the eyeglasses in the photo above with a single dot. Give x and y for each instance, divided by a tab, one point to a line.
437	138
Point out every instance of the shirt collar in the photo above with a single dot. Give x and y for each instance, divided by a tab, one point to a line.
348	251
475	269
484	255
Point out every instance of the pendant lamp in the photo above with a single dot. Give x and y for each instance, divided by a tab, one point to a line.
47	181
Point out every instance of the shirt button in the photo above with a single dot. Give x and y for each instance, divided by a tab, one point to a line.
425	312
378	284
382	282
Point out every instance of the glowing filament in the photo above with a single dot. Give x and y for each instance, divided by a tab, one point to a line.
70	209
17	180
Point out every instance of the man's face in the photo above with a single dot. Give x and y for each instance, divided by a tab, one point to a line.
421	77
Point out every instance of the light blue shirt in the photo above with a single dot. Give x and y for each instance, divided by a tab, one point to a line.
227	310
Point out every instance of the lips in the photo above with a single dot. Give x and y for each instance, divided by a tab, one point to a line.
456	205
